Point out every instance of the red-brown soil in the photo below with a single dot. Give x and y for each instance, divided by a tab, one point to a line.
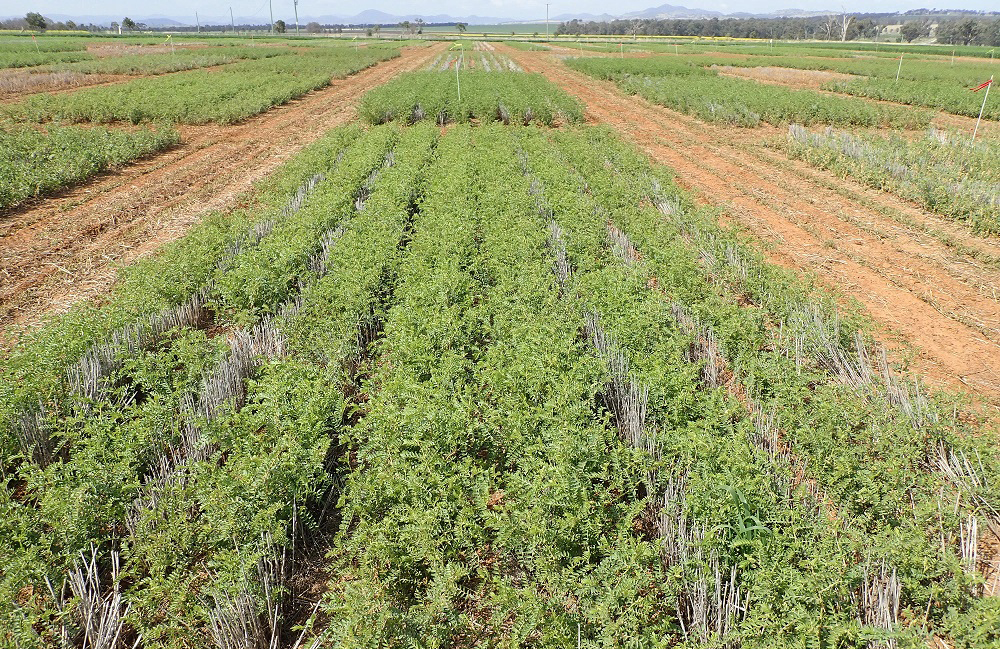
68	248
811	79
925	280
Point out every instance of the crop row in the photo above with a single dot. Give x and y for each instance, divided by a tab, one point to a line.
952	98
227	95
500	383
928	82
527	47
508	97
173	444
879	487
34	162
705	94
24	53
161	63
485	60
946	174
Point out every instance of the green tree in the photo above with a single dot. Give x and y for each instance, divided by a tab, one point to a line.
461	27
914	29
314	28
958	32
128	23
279	26
35	21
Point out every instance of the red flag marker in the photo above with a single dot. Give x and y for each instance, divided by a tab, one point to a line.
986	85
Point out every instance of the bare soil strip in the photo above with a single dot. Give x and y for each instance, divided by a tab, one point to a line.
927	280
791	77
68	248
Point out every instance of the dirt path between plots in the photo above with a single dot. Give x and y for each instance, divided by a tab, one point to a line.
68	248
888	254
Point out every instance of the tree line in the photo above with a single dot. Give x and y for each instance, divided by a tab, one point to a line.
970	29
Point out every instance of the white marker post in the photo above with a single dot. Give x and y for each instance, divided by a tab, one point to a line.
900	66
988	85
458	64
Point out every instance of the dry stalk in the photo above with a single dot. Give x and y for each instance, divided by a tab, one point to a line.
100	615
236	621
878	603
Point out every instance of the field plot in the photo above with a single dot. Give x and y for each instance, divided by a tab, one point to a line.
924	80
700	91
117	60
439	384
486	96
36	162
394	366
922	277
947	174
66	249
226	95
20	53
154	60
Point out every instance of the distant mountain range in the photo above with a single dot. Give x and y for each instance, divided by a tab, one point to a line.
376	17
675	12
367	17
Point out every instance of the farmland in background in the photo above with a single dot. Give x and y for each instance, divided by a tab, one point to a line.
245	80
691	88
227	95
471	372
960	184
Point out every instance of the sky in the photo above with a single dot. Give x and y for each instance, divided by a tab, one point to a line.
512	9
